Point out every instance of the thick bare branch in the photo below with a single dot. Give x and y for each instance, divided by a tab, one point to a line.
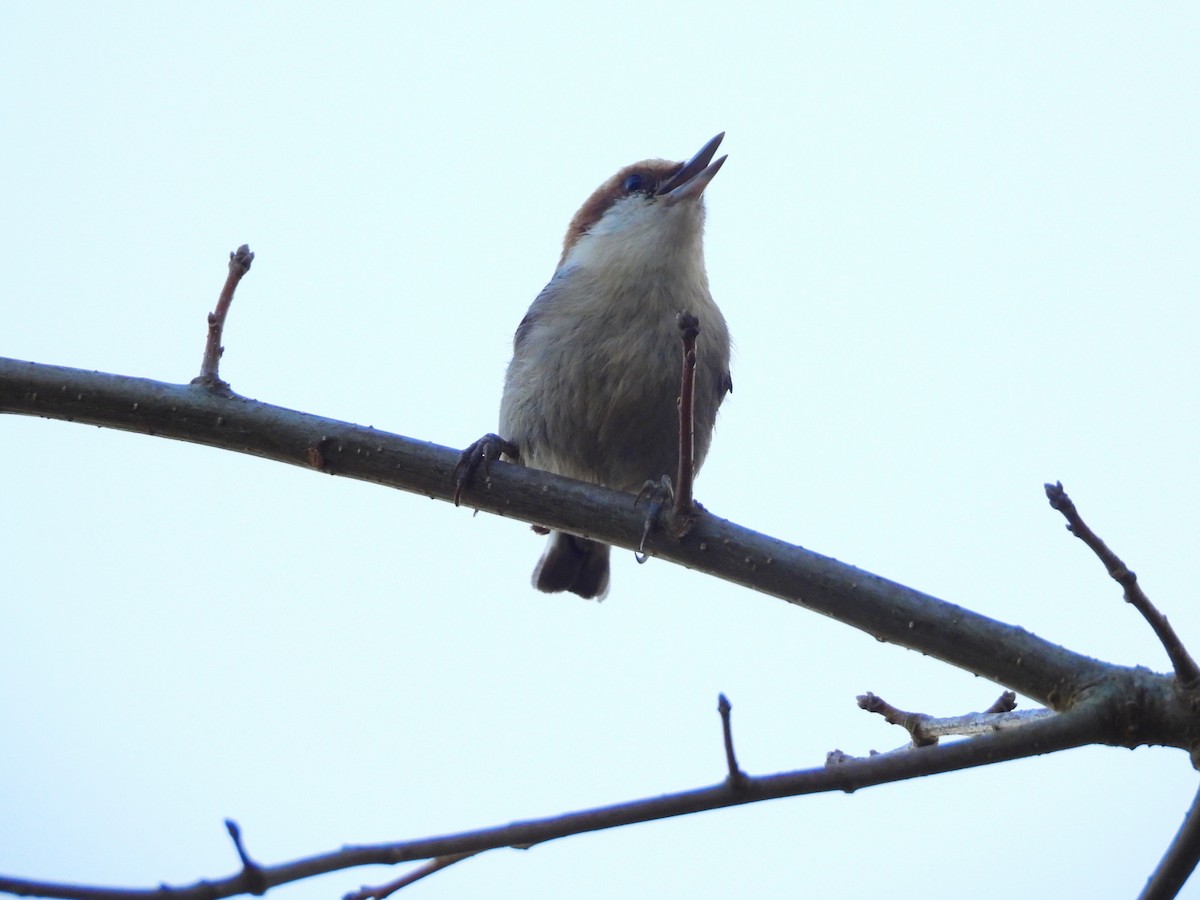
1098	702
883	609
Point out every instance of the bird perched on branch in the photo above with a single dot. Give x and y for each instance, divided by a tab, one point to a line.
593	388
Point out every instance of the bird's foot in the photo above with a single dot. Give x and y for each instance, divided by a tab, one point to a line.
484	451
664	508
661	493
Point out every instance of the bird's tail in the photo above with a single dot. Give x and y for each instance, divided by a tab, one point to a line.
573	564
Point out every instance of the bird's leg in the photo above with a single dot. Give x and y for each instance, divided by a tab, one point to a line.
485	450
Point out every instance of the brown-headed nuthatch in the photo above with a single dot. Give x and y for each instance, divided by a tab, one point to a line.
593	387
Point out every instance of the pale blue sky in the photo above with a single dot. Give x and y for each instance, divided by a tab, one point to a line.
956	247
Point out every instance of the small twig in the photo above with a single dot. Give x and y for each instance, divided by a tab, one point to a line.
386	890
252	872
925	730
1185	667
239	265
737	778
689	327
680	495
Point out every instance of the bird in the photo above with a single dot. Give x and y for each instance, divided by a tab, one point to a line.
593	387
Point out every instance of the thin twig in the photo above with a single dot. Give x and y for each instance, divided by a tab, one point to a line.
380	892
239	265
680	495
689	327
737	777
1180	860
1185	667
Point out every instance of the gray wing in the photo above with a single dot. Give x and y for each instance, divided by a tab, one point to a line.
528	382
541	303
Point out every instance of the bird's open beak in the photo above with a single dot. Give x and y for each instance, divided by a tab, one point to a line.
690	181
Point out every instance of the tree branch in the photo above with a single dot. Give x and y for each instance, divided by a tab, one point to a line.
1088	722
887	611
1098	702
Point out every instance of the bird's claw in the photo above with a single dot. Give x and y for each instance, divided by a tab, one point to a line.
484	451
661	493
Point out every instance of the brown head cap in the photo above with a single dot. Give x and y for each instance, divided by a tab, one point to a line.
651	178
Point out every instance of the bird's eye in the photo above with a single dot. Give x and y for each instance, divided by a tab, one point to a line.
636	182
